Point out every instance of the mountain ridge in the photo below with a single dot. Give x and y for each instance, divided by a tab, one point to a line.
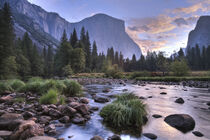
201	33
107	31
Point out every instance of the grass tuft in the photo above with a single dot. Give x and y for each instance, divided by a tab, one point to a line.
73	88
125	112
51	97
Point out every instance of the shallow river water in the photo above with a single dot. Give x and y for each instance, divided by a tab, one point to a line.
195	105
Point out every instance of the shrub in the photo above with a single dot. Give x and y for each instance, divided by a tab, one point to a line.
35	79
179	68
140	74
73	88
50	98
114	72
34	87
52	84
125	112
5	87
16	84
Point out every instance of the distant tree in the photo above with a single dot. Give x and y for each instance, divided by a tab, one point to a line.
73	38
63	55
7	58
181	53
50	60
116	58
87	51
162	63
78	60
94	57
141	63
67	71
37	64
121	60
179	68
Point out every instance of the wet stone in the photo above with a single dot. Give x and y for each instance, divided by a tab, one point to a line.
197	133
150	135
156	116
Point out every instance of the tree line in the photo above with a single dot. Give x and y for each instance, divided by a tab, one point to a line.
21	57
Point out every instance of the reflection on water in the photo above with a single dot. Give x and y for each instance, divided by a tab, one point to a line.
164	105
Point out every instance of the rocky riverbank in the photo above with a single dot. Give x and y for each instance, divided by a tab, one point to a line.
88	81
20	121
31	120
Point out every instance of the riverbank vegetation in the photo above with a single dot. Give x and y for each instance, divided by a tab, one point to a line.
51	91
126	112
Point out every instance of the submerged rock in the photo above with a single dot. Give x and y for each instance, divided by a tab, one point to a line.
179	101
197	133
96	138
106	90
114	137
101	99
163	93
150	135
182	122
156	116
78	120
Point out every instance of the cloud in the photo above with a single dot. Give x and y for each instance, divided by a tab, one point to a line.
154	25
180	21
154	33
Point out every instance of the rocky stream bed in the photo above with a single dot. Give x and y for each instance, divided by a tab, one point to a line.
176	111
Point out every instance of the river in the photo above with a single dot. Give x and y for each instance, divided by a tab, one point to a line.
164	105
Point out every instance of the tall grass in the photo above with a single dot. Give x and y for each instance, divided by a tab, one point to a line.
73	88
16	84
5	87
51	97
125	112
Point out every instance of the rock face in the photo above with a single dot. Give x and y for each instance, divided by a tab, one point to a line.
182	122
105	30
201	34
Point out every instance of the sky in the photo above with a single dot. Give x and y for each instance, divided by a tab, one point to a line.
155	25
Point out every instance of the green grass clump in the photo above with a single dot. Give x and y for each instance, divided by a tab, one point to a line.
5	87
34	87
126	112
51	97
73	88
16	84
62	100
52	84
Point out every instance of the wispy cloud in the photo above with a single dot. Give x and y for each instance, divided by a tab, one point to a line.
157	31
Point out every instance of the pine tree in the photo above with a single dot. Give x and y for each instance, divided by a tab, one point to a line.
197	57
181	53
87	51
8	66
82	35
63	55
78	60
116	58
50	61
37	64
121	60
73	38
94	57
